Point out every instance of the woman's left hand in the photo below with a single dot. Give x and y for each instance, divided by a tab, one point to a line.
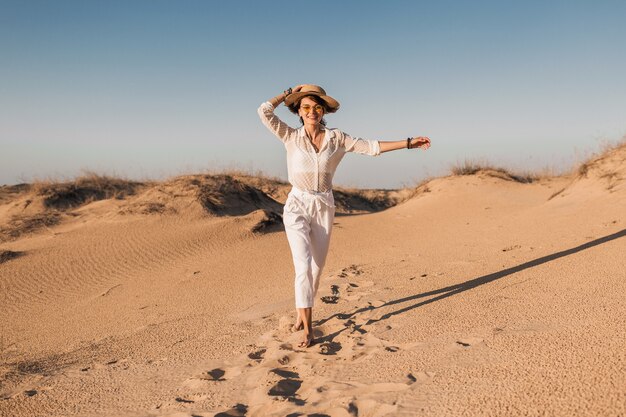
422	142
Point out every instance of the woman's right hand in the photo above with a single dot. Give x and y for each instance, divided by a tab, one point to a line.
283	97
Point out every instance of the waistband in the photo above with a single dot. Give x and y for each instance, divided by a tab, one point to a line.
311	192
324	196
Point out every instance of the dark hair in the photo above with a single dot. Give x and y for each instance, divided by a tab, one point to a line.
296	106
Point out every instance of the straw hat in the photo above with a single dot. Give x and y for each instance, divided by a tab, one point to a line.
311	90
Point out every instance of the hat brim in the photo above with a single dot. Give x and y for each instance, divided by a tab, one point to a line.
331	103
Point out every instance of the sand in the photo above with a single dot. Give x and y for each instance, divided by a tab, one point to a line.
473	296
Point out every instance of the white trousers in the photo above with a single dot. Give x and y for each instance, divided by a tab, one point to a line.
308	218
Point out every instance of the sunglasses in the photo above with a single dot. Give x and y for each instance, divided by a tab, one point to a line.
307	108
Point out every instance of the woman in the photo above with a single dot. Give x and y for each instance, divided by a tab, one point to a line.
313	153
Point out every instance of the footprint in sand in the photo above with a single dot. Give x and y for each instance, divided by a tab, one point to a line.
419	376
346	286
334	298
377	303
354	292
282	375
257	355
285	373
421	276
368	407
469	341
239	410
354	327
351	293
330	348
284	360
352	270
216	374
285	388
184	400
330	299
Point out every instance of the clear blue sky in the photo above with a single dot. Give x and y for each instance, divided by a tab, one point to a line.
151	89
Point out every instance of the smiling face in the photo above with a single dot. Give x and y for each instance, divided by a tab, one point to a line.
311	111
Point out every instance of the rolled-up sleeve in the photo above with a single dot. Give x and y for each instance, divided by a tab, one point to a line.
360	145
273	123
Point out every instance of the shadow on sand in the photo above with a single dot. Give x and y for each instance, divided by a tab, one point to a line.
467	285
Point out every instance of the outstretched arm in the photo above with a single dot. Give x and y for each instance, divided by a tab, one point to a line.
418	142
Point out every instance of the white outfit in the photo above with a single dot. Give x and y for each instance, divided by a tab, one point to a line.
310	207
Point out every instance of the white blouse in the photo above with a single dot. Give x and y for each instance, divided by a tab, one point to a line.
309	170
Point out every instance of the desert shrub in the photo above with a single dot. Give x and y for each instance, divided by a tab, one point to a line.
84	189
469	167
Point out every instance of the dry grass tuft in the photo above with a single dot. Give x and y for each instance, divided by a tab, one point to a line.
469	167
225	195
148	208
84	189
21	370
7	255
270	221
19	226
606	148
10	192
57	197
257	174
356	200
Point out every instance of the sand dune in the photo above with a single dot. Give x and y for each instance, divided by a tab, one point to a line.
470	295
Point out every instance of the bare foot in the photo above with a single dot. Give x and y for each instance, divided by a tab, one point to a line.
298	326
307	341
